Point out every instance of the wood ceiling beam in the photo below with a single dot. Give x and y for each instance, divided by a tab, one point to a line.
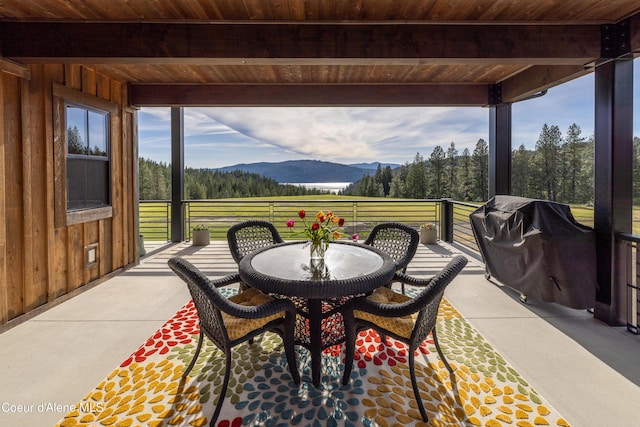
14	68
236	95
246	43
634	30
538	78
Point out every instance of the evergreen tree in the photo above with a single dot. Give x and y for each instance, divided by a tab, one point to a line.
416	182
480	171
546	162
145	178
437	174
465	187
451	169
575	150
398	182
585	188
383	177
397	189
75	144
520	164
160	185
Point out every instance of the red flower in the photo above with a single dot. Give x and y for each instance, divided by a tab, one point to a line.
341	222
315	226
290	223
301	213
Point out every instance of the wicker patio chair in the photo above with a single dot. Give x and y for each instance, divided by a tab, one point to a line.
228	322
247	236
408	320
399	241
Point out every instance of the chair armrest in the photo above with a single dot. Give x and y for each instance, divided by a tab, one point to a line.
201	286
410	280
257	311
247	311
432	291
225	281
384	309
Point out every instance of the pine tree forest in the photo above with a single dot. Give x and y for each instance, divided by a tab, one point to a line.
558	168
201	184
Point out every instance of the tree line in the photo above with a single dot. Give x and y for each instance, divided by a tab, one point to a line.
559	168
155	183
444	174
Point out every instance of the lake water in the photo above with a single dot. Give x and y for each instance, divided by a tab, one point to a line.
333	187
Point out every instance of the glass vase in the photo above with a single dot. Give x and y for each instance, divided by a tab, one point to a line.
317	250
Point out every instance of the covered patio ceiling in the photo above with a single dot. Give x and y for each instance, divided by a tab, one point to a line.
331	52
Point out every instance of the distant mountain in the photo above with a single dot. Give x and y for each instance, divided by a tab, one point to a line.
374	165
306	171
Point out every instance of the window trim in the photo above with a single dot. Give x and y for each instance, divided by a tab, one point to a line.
62	96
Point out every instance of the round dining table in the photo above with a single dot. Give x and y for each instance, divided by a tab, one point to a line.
317	288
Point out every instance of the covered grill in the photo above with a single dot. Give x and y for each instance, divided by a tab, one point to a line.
537	248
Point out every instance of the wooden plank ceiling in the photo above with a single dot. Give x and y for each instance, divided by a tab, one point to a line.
329	52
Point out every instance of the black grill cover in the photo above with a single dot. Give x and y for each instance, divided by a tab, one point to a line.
537	248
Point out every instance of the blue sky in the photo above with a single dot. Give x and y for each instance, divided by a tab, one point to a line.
216	137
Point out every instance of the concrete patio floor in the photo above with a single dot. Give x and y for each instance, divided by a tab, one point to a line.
585	369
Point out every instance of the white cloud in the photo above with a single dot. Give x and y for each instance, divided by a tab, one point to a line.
351	134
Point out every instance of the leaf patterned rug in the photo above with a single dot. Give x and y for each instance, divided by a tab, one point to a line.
145	390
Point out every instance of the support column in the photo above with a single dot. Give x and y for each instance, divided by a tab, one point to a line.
613	201
499	149
177	174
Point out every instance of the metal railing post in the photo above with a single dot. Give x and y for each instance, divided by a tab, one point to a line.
355	217
168	219
187	219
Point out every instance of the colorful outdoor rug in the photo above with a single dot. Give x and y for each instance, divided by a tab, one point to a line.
145	390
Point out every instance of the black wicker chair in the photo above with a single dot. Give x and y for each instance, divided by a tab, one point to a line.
399	241
247	236
228	322
406	319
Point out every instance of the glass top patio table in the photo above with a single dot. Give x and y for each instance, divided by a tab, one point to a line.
318	289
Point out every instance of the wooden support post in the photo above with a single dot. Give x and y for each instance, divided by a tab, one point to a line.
613	182
177	174
499	148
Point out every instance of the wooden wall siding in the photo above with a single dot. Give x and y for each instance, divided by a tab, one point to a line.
13	198
40	262
117	182
3	214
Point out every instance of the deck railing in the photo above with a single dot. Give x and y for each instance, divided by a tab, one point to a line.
451	216
155	220
462	232
628	263
360	215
